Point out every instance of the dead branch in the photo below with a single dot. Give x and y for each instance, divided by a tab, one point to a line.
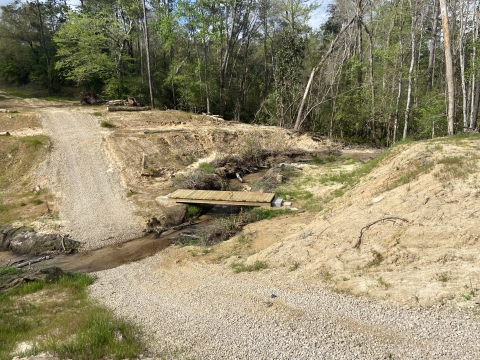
366	227
33	261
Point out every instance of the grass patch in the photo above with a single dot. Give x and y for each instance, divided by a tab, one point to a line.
10	270
456	167
418	168
318	160
59	317
207	168
33	141
383	283
36	201
20	156
241	267
327	276
443	277
193	211
97	113
377	259
107	124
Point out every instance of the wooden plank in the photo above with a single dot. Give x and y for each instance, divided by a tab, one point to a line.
222	197
217	202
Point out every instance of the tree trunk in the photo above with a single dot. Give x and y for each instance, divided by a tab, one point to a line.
147	49
461	46
473	121
433	40
474	90
448	67
410	72
314	72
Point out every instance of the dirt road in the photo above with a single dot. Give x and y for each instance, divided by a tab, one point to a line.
205	311
93	204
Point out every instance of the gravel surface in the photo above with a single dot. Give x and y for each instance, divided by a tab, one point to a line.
94	206
205	311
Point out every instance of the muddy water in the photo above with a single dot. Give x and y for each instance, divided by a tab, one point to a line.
115	255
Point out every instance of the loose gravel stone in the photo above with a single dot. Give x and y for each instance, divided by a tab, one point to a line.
208	312
94	207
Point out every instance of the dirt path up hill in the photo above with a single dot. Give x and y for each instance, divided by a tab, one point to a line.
93	205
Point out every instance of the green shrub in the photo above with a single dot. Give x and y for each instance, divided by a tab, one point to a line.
241	267
106	124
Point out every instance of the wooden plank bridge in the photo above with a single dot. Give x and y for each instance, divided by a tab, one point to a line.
213	197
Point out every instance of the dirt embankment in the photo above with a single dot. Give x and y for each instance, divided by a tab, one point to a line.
413	219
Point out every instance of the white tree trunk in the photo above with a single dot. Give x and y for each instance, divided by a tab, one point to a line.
448	67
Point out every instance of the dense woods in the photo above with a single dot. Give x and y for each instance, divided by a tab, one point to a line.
375	71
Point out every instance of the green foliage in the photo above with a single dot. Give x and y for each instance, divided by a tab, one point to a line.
377	259
207	168
107	124
10	270
383	283
53	322
193	211
33	141
456	167
241	267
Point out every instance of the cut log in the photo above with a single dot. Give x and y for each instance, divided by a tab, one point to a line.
116	102
4	133
128	108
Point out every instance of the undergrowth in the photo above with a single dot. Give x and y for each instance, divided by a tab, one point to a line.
107	124
60	317
241	267
224	228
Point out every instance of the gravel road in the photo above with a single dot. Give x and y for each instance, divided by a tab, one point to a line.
205	311
94	207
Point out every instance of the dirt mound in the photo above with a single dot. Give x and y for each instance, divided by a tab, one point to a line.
414	220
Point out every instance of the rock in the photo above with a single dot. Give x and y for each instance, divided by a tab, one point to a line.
6	234
26	241
50	274
377	199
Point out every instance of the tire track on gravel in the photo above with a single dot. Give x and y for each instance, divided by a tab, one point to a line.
94	208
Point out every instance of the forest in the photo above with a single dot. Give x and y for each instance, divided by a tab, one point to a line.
375	71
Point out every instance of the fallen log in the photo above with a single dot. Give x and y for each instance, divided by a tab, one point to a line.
33	261
128	108
116	102
4	133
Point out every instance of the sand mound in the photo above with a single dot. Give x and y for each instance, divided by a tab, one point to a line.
422	201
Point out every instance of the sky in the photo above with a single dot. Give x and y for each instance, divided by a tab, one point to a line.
318	18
